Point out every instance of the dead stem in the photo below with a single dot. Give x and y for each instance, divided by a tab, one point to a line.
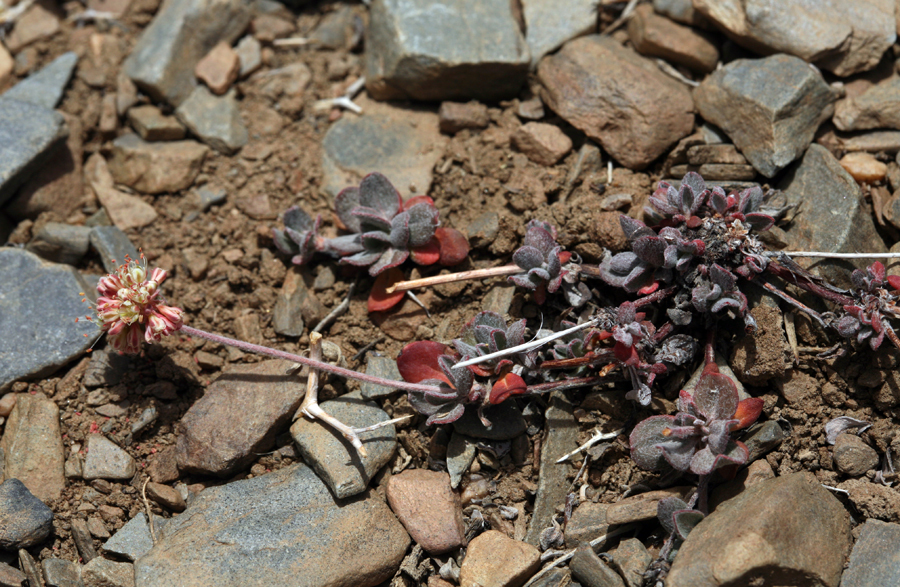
453	277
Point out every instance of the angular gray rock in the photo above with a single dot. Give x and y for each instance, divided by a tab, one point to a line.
404	144
875	560
216	120
379	366
24	519
618	98
407	56
802	531
113	246
33	448
877	107
154	168
182	32
460	453
61	243
549	24
39	302
333	457
833	216
682	11
560	437
590	570
45	87
107	460
770	107
238	417
841	36
61	573
28	133
133	540
100	572
258	531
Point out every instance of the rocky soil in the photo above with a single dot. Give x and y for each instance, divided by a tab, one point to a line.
183	129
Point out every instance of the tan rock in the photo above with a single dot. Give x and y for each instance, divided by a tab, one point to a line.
455	116
493	559
876	107
219	68
125	210
864	167
166	496
658	36
642	506
545	144
33	446
401	322
153	125
36	23
428	508
7	65
268	27
155	168
873	500
726	154
852	456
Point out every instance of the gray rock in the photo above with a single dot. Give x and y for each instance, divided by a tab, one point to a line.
802	531
113	246
404	144
632	558
249	52
407	56
153	125
589	570
555	578
852	456
841	36
875	560
833	217
30	567
588	521
560	438
460	453
61	573
182	32
215	119
761	438
483	230
107	460
333	457
33	448
770	107
258	531
154	168
549	24
379	366
11	576
28	132
209	198
133	540
618	98
682	11
506	419
24	519
45	87
499	298
61	243
296	304
239	416
106	573
82	537
336	30
877	107
38	303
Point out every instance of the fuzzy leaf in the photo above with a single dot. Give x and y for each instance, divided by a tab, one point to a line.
454	246
428	254
634	229
400	231
540	239
283	243
528	257
344	204
645	440
418	361
362	259
390	258
298	219
375	191
690	204
718	200
371	219
651	250
716	396
417	200
347	244
423	219
379	299
722	277
760	222
705	462
515	333
685	520
750	199
523	281
664	510
447	416
748	411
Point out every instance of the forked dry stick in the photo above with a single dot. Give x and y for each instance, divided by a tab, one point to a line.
311	409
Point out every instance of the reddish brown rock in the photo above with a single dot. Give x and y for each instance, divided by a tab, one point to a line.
268	27
219	68
642	506
658	36
618	98
545	144
163	467
32	444
401	323
166	496
873	500
428	508
497	560
455	116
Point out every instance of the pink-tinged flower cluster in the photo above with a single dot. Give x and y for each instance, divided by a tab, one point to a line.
130	309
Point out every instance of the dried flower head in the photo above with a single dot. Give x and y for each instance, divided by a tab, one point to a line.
130	307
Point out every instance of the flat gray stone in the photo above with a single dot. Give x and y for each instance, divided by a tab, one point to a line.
216	120
257	532
61	243
589	570
761	438
770	107
24	519
238	417
113	246
407	56
11	576
105	369
877	107
32	446
404	144
152	125
45	87
297	304
460	453
28	133
133	540
549	24
61	573
379	366
107	460
875	558
560	437
333	457
832	216
183	32
506	419
841	36
101	572
682	11
39	302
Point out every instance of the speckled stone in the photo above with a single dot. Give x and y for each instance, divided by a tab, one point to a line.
24	519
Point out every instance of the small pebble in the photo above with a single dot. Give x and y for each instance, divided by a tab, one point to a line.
852	456
864	167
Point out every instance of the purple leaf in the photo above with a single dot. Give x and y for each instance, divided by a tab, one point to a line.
297	219
716	396
423	219
371	219
696	184
664	510
705	462
650	249
361	259
679	453
634	229
375	191
390	258
344	204
347	244
837	426
722	277
399	237
760	222
528	257
540	239
685	520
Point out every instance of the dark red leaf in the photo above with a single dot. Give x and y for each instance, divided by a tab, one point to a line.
427	254
417	200
649	289
379	299
418	361
454	246
894	281
509	384
565	257
747	412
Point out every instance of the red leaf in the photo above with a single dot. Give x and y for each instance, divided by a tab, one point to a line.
379	299
417	200
565	257
454	246
418	361
427	254
649	289
509	384
894	281
747	412
626	354
694	222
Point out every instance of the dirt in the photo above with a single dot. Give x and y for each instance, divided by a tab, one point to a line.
226	274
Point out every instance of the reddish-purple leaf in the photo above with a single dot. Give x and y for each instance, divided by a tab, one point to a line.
379	299
747	412
418	361
509	384
427	254
454	246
